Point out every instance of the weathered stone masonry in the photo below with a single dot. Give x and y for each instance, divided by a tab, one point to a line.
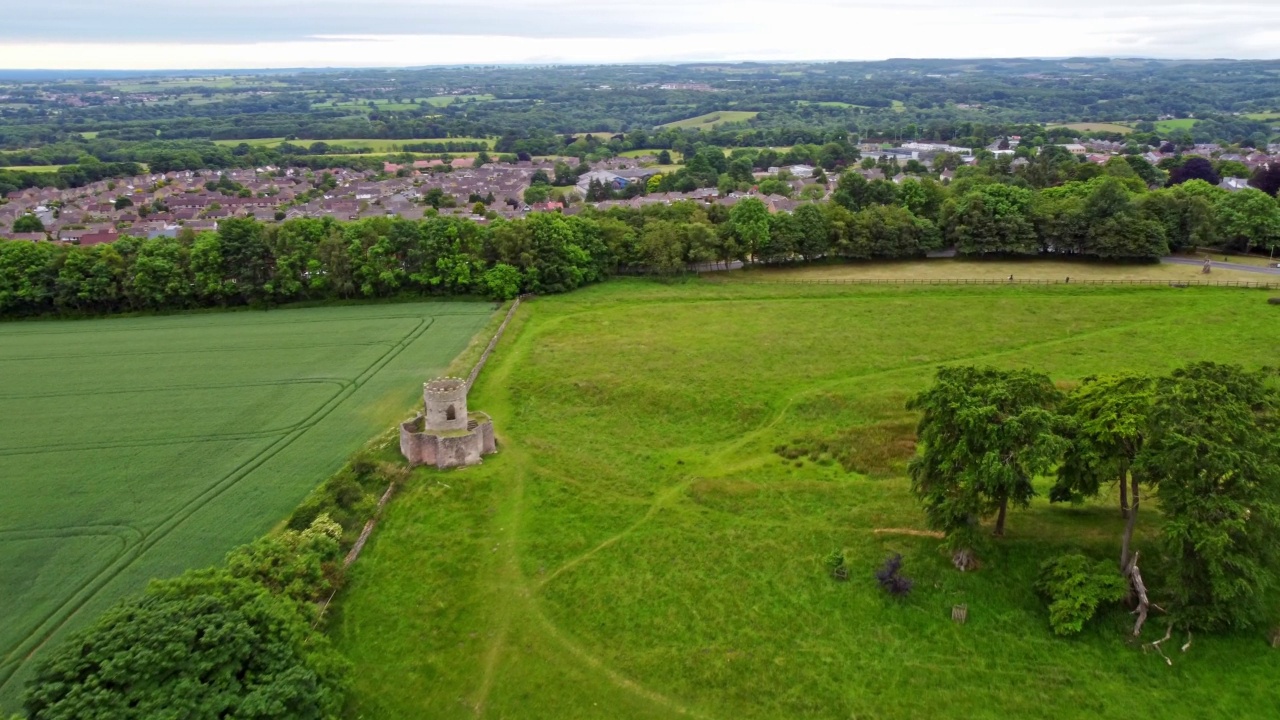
445	434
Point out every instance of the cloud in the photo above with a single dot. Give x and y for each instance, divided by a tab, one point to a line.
155	34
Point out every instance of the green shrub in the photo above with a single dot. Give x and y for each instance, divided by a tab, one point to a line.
349	497
203	645
835	559
501	282
303	565
1076	587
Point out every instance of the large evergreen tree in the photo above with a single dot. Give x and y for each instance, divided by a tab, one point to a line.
1107	427
1214	442
984	435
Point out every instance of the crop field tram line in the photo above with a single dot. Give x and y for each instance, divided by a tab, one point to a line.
205	326
188	351
95	584
169	388
129	537
132	532
343	386
190	440
60	616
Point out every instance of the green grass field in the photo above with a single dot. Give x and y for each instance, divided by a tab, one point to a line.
176	83
435	101
381	104
34	168
711	119
444	100
1096	127
642	153
829	104
138	448
374	144
638	549
1165	126
970	269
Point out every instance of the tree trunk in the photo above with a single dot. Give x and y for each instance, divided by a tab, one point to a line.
1004	508
1124	496
1132	522
1140	589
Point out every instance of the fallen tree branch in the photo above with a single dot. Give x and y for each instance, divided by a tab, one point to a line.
1168	633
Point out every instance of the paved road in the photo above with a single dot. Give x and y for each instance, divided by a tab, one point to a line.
1223	265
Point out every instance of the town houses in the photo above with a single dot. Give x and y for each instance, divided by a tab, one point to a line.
163	204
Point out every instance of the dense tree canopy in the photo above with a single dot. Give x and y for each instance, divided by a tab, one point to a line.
1107	426
1205	438
984	435
204	645
1214	443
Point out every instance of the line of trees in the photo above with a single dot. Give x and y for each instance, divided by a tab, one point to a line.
246	262
1204	441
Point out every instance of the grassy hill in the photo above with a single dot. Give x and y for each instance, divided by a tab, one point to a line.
712	119
676	462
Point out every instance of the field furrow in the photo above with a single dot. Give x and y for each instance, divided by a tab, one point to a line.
138	448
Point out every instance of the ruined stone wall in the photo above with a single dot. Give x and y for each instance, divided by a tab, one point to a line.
417	448
484	357
424	448
458	451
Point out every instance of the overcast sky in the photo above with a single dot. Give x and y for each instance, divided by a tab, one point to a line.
197	34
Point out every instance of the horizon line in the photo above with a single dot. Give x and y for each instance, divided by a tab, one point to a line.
668	63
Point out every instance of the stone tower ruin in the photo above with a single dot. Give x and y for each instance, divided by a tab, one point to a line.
445	433
445	403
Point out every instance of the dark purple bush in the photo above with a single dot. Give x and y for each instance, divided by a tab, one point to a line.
889	578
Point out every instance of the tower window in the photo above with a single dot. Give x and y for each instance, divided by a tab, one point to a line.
451	413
